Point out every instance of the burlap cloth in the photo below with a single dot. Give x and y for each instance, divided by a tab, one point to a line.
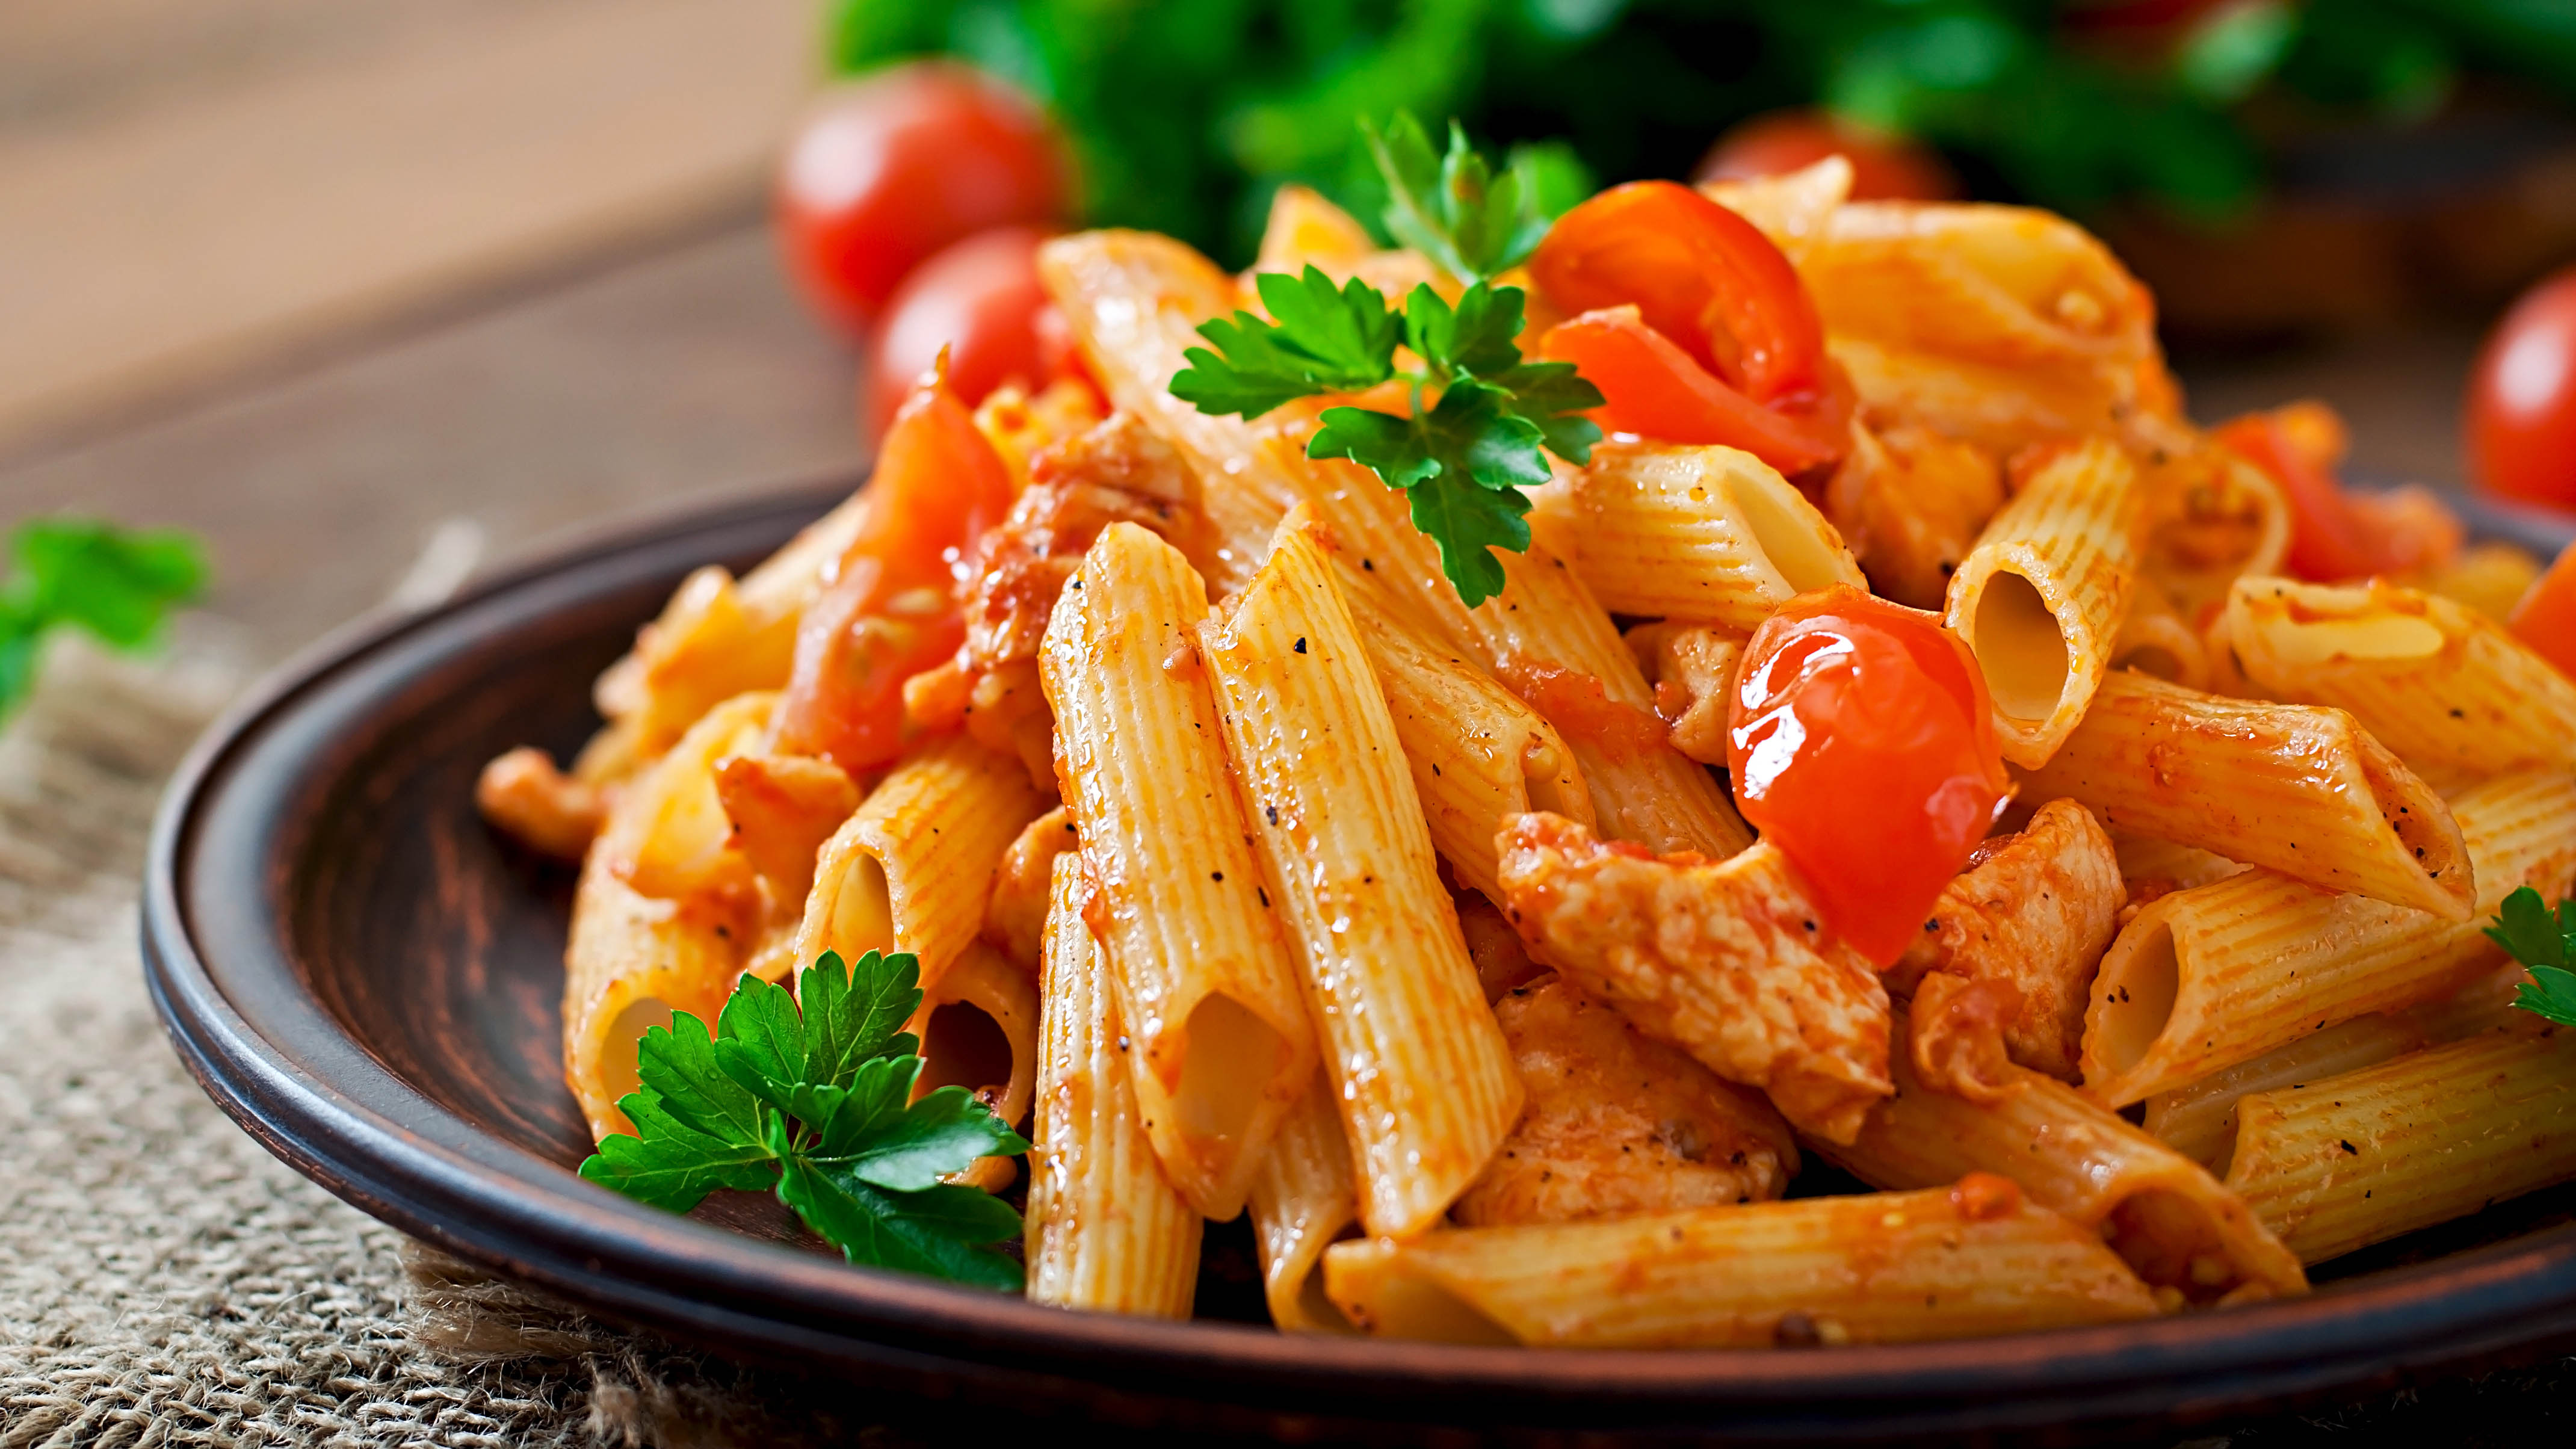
163	1280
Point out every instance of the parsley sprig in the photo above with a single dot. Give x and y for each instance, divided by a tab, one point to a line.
118	584
2545	943
817	1105
1464	459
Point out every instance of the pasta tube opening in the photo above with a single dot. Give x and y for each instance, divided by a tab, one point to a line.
618	1074
963	1046
1233	1057
1784	528
2134	997
2020	647
1374	1285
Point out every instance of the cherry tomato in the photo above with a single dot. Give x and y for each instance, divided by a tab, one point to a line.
890	169
1884	167
2333	535
1699	274
981	300
888	610
1863	745
1655	390
2546	617
2522	399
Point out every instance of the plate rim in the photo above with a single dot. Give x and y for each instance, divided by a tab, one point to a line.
331	1111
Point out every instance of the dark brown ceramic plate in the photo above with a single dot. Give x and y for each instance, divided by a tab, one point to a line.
366	979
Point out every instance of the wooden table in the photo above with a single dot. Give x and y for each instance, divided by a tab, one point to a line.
677	370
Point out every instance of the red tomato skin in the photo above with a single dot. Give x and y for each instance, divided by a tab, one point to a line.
1653	389
894	167
2546	617
1699	274
2522	399
1862	744
980	299
1884	167
888	608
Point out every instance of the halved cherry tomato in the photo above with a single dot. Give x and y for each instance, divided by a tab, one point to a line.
888	609
1699	274
2546	617
2522	399
1884	167
1655	390
1863	744
893	167
2333	535
981	302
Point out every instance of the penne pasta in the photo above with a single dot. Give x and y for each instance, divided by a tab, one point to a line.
2040	598
1725	960
2343	1162
1705	535
2174	1224
2445	687
979	1030
1793	208
1302	1203
669	836
2222	973
1206	982
2156	640
1478	754
912	868
2212	517
1893	1268
2300	790
1105	1229
630	963
1421	1073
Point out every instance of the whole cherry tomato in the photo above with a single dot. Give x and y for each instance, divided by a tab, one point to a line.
2546	617
1655	390
2334	535
2522	399
890	169
1697	273
979	299
1884	167
1862	742
888	609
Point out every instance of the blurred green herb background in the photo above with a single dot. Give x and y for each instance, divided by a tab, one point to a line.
1186	113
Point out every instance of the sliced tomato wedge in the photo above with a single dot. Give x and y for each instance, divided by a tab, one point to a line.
888	610
1699	274
2546	617
1654	389
2334	535
1862	743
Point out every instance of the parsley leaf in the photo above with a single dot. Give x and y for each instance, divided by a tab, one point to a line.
817	1104
2545	944
1320	339
118	584
1452	208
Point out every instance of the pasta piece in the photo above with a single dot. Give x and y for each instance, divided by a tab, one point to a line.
522	794
1693	669
2155	640
1302	1203
2348	1161
1707	535
1911	503
2174	1224
1020	426
1478	754
2209	977
2156	868
911	870
668	836
1619	1125
2036	911
1420	1072
2039	599
2296	789
2212	517
1105	1229
1793	208
2488	577
1206	982
2439	683
1304	230
782	808
631	961
979	1030
1952	1262
1015	919
1725	960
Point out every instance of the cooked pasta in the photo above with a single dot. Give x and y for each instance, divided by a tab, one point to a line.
1302	1203
1707	535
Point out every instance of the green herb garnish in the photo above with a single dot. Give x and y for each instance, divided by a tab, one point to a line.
817	1105
2544	943
118	584
1464	460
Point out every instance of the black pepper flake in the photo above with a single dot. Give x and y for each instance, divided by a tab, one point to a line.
1272	811
1301	643
1265	897
2348	1148
1367	567
1216	875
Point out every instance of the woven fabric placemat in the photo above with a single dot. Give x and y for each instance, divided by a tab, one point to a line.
164	1281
